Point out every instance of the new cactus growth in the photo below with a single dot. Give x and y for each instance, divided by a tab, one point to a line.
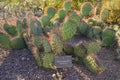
18	43
4	40
51	12
86	8
93	47
48	60
69	30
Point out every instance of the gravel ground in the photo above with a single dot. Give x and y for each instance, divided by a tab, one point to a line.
21	65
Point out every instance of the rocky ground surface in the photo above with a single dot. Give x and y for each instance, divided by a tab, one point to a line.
21	65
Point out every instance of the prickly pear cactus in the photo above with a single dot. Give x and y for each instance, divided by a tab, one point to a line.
19	28
104	14
68	49
97	33
69	30
51	12
108	37
56	44
80	51
92	64
67	6
90	33
45	21
4	40
83	28
18	43
62	14
86	8
93	47
48	60
46	46
75	18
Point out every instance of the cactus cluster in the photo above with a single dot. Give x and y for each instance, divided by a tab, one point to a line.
45	37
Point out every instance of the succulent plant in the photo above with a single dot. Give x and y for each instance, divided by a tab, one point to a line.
83	28
86	8
51	12
67	5
4	40
80	51
46	46
35	27
104	14
107	41
24	23
91	64
90	33
62	14
11	30
75	18
48	60
93	47
108	33
19	28
45	21
69	30
97	33
38	41
68	49
18	43
56	44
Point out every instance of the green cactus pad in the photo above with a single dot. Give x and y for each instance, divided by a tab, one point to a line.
38	59
56	44
48	60
108	33
104	14
75	18
90	33
4	40
68	49
45	21
18	43
67	5
62	14
46	46
38	41
12	31
80	51
97	33
69	29
6	27
91	64
107	41
24	23
51	12
93	47
86	8
83	28
19	28
35	27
